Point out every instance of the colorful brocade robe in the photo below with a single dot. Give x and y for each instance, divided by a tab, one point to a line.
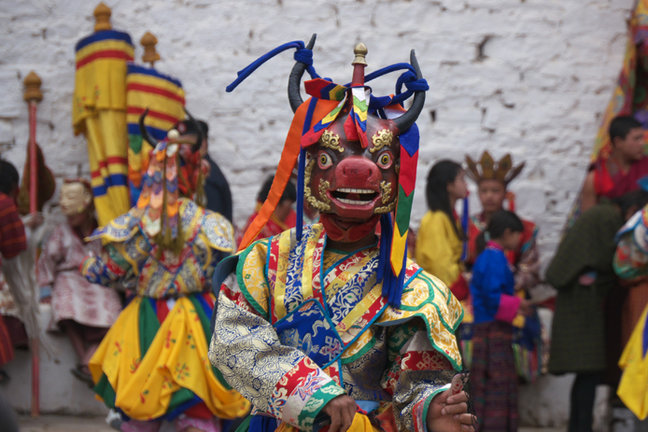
631	263
135	262
153	364
298	325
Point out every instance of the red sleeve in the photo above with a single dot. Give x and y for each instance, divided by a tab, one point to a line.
12	230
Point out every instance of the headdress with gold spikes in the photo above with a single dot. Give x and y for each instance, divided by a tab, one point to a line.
503	170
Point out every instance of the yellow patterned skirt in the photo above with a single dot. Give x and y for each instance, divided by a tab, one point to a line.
151	368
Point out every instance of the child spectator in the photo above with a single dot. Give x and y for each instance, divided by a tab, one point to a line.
493	375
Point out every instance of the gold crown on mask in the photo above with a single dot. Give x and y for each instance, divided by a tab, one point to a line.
487	169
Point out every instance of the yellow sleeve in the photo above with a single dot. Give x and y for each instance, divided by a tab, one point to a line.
436	247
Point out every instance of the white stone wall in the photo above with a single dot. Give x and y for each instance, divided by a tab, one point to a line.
531	77
537	88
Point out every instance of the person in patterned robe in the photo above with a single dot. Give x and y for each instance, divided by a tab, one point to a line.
83	310
314	325
631	266
152	365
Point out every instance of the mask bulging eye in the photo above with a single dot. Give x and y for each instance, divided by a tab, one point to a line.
324	160
385	160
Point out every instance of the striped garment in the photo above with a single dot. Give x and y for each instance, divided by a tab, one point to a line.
164	97
493	378
12	242
99	112
12	230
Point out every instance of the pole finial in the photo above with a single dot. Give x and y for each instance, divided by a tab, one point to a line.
32	83
102	17
360	51
150	55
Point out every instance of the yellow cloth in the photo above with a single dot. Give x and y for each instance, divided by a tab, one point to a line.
438	249
108	154
99	112
165	98
176	358
118	354
633	388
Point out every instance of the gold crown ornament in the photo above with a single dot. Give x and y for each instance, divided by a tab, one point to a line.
487	169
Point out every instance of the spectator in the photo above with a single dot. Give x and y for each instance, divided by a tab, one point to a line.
440	241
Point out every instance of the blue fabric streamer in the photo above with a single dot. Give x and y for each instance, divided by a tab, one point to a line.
464	228
303	55
300	194
385	238
392	288
645	337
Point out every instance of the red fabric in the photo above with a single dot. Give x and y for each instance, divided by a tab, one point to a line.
615	184
273	226
460	288
12	230
6	348
512	256
199	411
162	310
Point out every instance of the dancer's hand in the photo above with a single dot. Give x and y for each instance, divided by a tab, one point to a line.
448	411
341	410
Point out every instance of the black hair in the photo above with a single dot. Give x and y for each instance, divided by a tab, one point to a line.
190	129
9	177
621	126
289	194
204	126
636	199
440	176
499	222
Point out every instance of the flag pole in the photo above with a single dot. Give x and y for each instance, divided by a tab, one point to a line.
33	96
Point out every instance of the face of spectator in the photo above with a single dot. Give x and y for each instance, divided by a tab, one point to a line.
491	195
283	210
458	189
511	239
631	147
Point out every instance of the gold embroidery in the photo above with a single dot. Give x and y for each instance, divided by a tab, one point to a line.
386	191
331	140
325	204
382	138
386	209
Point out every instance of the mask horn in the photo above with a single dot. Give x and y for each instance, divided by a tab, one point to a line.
406	120
294	81
144	131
